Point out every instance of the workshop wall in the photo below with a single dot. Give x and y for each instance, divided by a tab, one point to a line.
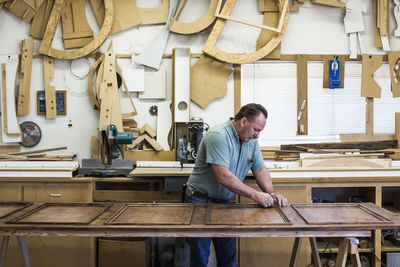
315	29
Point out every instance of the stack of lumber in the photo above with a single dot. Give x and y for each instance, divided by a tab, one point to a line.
36	155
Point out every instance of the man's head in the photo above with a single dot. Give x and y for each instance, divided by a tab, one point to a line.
250	121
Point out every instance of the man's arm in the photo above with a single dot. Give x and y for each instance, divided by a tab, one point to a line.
230	181
264	181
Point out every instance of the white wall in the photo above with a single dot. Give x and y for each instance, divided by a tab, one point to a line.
314	29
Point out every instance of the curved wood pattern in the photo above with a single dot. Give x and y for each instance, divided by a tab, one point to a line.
48	36
155	15
196	26
211	50
90	81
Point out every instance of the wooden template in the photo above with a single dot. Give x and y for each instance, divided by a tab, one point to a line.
153	214
24	90
126	14
208	80
11	131
152	56
62	213
369	87
211	50
75	27
265	27
339	213
246	214
181	84
342	62
50	91
145	139
394	70
148	130
196	26
155	15
24	9
302	95
48	36
164	123
40	20
270	18
7	208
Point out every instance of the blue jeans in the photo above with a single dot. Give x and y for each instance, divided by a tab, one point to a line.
225	247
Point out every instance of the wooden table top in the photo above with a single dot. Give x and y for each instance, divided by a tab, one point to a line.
172	220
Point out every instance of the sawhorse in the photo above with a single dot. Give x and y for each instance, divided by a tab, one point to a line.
22	246
349	244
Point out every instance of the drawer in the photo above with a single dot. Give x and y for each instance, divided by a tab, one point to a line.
10	192
57	192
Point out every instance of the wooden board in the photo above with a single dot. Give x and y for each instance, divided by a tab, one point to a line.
6	208
153	214
62	213
246	214
339	213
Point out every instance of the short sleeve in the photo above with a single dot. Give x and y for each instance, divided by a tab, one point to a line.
217	149
257	158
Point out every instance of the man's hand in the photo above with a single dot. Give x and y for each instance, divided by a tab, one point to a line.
280	200
264	199
267	200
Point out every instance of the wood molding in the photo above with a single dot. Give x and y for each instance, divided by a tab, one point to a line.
302	95
237	83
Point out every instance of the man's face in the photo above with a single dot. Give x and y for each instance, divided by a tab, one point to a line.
251	130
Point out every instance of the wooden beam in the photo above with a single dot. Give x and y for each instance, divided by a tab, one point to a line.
302	95
369	116
237	84
24	91
50	91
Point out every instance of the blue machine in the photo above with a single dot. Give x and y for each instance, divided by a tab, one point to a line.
334	81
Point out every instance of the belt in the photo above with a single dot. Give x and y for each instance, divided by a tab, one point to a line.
190	192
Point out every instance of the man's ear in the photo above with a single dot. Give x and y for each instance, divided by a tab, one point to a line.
243	121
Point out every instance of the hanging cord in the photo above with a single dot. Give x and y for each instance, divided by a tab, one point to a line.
73	89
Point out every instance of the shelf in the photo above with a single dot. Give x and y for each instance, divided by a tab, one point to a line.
389	247
332	248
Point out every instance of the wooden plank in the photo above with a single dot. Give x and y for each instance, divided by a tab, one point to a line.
237	84
346	162
339	213
369	87
302	95
334	3
24	91
268	6
62	213
240	215
397	126
369	116
153	214
360	145
365	138
50	91
24	9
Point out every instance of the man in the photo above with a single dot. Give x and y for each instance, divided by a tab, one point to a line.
226	154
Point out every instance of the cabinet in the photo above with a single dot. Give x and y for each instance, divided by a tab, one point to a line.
50	250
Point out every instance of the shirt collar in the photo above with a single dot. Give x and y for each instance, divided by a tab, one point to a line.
233	130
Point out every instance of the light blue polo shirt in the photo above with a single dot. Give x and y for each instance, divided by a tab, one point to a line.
221	146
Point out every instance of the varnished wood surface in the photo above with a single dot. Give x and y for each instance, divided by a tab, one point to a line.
197	226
